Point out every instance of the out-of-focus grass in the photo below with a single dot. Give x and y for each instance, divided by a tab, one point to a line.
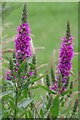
48	25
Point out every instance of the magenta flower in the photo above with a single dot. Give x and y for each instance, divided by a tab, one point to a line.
9	75
66	55
31	73
23	42
65	64
23	47
54	86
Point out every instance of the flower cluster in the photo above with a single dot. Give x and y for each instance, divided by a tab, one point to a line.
23	47
65	64
9	75
66	55
22	42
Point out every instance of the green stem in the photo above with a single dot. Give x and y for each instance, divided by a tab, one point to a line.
16	100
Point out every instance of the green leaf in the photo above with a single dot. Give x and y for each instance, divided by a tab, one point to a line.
5	93
41	113
22	66
5	114
32	65
32	81
62	104
45	88
55	108
69	90
66	92
25	102
10	83
65	111
36	79
13	106
30	114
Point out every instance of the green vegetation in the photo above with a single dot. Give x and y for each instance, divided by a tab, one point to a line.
48	24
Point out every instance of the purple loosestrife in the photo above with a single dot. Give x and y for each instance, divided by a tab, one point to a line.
23	47
31	73
23	40
66	55
9	75
65	64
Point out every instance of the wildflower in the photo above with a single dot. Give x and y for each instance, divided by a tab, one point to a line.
66	55
23	40
54	86
9	75
23	48
65	64
31	73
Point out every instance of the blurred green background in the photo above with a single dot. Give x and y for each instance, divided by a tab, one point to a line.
48	26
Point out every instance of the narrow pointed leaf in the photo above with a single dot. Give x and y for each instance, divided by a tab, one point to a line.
25	102
55	108
5	93
45	88
32	81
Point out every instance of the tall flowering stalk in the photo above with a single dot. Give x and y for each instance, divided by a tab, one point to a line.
66	55
23	47
65	64
23	40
